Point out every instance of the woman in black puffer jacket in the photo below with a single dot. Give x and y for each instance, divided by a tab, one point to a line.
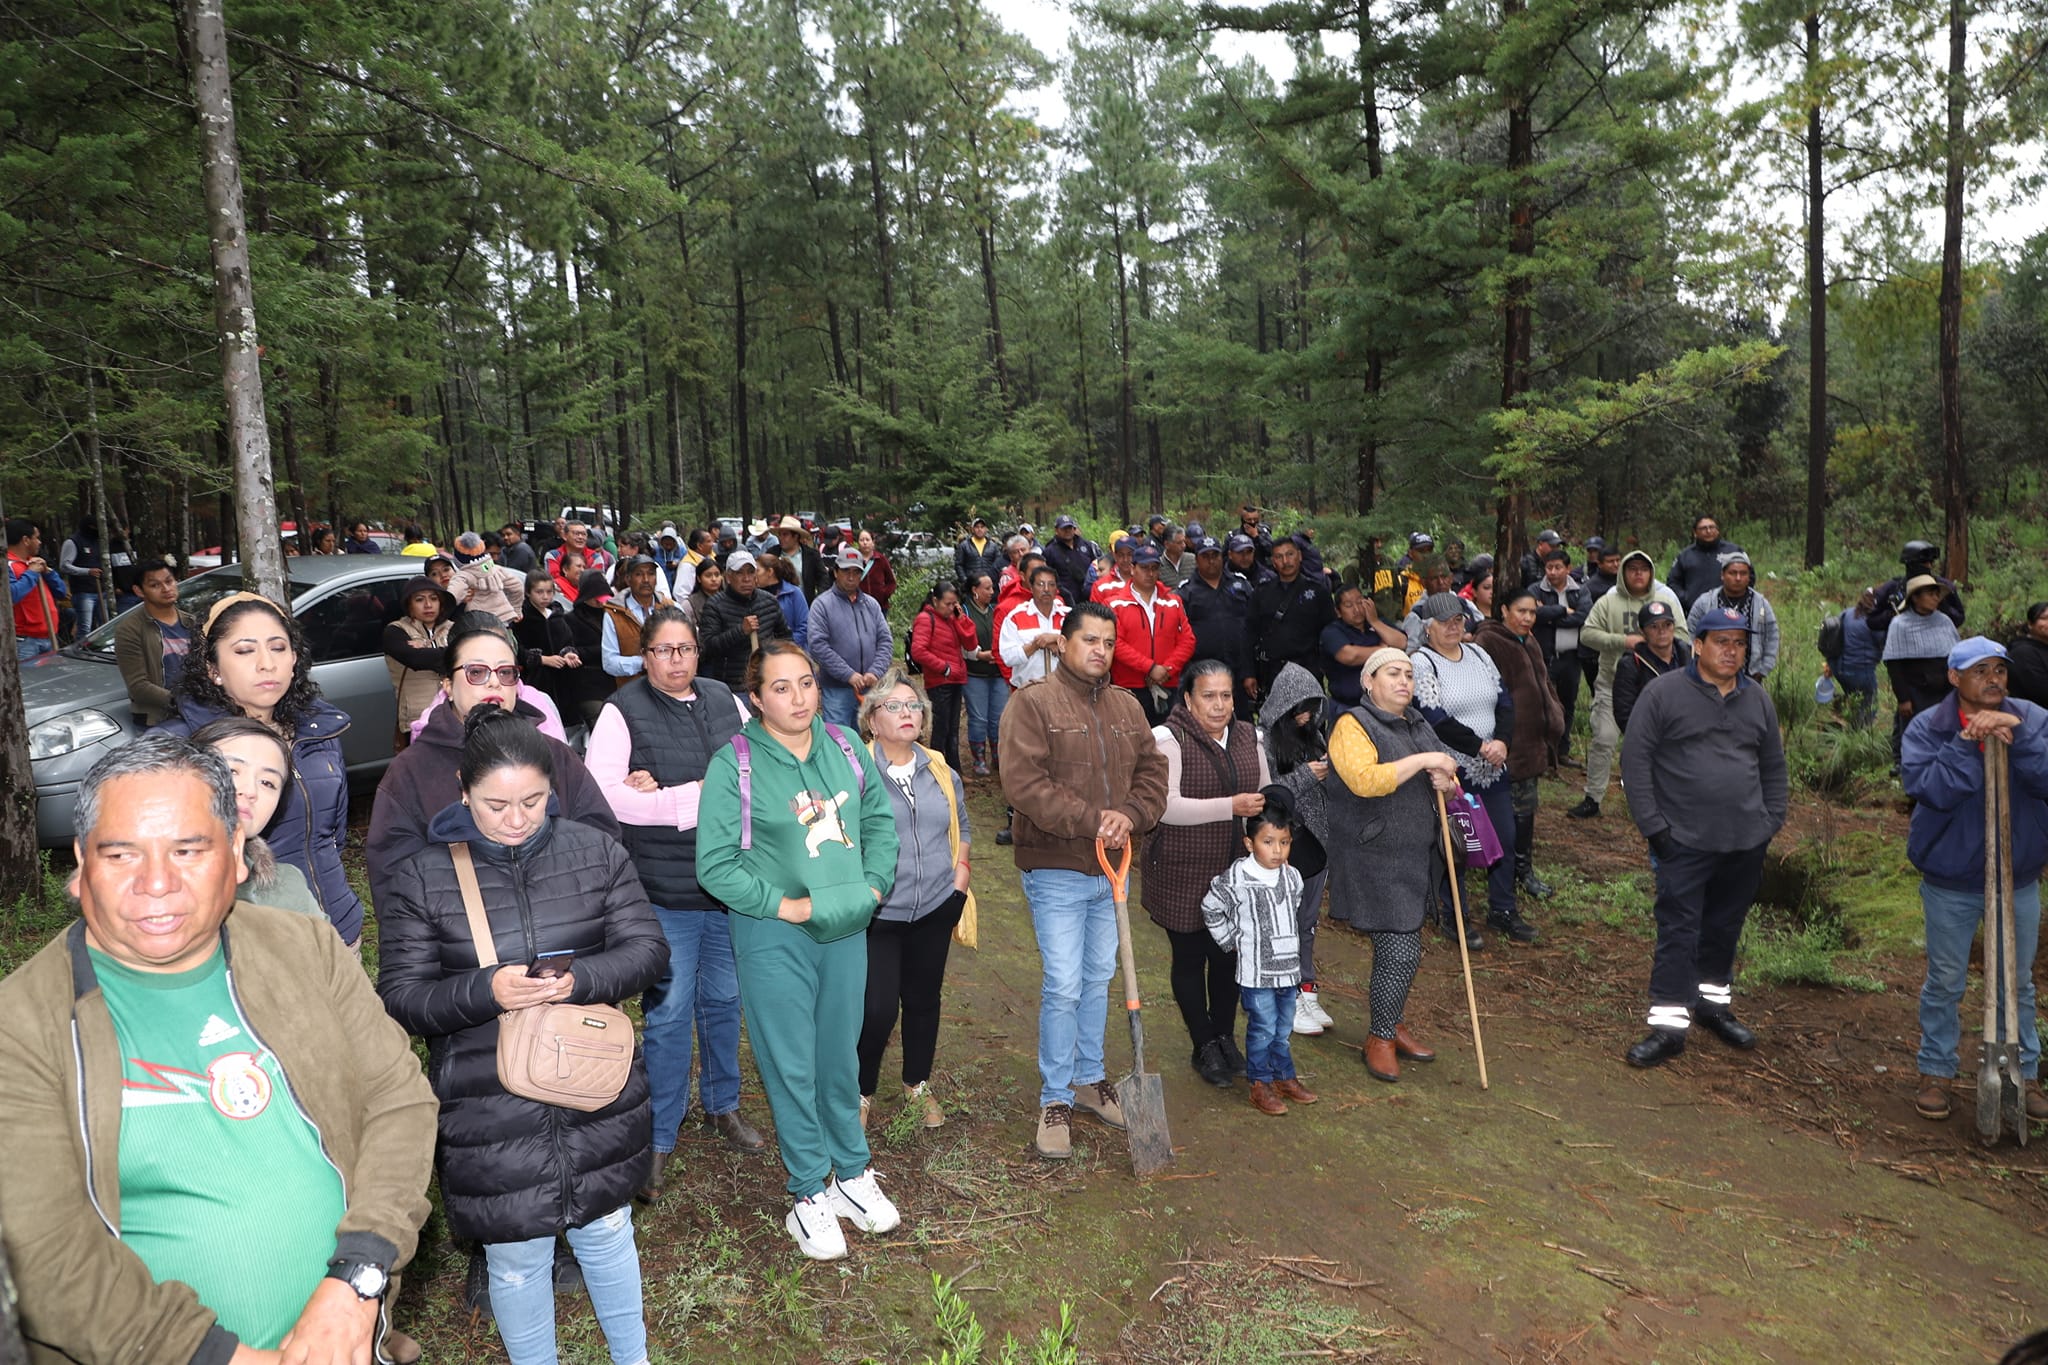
515	1172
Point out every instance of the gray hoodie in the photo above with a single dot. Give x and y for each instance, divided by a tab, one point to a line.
1292	686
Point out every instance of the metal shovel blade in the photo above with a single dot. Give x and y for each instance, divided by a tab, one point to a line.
1144	1099
2012	1091
1990	1086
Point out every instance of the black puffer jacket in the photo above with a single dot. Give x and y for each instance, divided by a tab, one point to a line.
722	634
513	1169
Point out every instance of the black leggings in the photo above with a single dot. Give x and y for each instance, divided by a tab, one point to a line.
1395	958
1204	986
906	967
944	700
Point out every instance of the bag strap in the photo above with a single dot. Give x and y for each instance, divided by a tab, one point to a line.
742	751
473	906
860	773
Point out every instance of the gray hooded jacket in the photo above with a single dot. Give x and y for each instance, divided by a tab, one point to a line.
1292	686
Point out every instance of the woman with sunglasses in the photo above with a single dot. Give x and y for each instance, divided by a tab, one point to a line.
479	668
913	926
648	753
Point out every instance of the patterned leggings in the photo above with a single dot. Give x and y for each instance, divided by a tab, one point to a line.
1394	960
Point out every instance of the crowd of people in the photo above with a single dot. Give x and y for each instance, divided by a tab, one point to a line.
708	775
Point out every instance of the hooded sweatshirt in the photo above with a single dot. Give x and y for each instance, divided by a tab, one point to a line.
818	829
1613	618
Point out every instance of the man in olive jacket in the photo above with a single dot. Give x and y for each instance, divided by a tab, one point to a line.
1079	765
144	641
280	1130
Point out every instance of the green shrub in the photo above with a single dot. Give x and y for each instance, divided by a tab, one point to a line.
965	1339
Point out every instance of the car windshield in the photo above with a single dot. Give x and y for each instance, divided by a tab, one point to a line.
195	595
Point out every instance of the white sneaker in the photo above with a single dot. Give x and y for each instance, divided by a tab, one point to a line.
814	1222
860	1201
1311	1004
1305	1021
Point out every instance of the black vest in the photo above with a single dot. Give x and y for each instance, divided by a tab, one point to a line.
674	741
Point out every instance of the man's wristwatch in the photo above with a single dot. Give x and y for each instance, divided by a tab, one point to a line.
368	1279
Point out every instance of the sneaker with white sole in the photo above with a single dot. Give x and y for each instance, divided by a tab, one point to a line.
1311	1004
860	1201
814	1222
1305	1023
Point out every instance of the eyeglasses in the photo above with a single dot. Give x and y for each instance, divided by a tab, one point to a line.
904	708
663	653
476	675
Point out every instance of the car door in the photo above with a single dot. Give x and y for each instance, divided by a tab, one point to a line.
344	631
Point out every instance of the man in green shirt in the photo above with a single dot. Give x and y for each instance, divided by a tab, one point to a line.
218	1142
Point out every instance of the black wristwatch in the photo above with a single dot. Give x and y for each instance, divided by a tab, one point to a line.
368	1279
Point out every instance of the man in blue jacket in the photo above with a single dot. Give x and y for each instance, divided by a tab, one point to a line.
1942	765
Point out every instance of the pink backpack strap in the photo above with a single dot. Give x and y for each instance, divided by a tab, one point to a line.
744	753
860	773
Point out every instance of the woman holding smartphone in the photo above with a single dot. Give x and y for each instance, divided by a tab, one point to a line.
569	923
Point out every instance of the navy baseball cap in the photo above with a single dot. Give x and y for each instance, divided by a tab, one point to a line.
1147	553
1196	535
1421	538
1661	611
1720	618
1206	546
1065	523
1238	540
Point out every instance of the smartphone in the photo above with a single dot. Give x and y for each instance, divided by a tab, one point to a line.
547	966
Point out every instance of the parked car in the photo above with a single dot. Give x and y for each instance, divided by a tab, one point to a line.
77	707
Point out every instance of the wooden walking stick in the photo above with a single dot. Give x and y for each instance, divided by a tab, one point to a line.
1443	816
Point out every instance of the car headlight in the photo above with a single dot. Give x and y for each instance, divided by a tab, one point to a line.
70	732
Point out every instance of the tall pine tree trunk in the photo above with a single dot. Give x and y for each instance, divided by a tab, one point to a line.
1955	494
1126	433
234	304
1818	438
1511	530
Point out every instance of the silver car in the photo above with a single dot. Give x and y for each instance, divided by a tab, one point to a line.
78	707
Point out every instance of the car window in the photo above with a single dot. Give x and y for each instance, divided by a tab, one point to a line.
349	624
195	595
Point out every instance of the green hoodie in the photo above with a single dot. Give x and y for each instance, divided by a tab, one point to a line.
817	831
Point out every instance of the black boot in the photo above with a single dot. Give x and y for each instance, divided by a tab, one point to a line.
1587	809
1213	1065
1232	1055
1659	1046
1722	1023
1514	926
1525	875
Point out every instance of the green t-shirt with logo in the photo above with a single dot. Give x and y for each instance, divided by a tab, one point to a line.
224	1186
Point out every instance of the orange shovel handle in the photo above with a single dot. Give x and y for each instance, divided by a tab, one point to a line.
1119	875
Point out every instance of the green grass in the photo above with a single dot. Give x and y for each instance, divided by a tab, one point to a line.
1623	903
1805	955
31	922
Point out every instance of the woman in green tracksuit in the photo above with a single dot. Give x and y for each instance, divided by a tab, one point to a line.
801	851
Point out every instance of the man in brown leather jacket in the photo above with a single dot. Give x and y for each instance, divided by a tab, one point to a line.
217	1141
1078	765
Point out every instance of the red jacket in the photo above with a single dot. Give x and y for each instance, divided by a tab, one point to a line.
35	616
940	651
568	581
1165	638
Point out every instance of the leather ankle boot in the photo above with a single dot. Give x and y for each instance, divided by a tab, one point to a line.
1265	1101
1407	1048
1380	1061
1293	1089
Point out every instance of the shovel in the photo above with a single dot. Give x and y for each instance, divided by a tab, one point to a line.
1142	1092
2000	1087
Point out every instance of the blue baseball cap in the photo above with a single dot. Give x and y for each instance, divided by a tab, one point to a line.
1147	553
1973	651
1066	523
1238	540
1209	546
1720	618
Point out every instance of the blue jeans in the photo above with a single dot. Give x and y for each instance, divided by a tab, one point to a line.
986	698
1074	920
523	1290
1268	1019
1499	803
87	605
702	985
1952	919
840	706
1861	704
29	649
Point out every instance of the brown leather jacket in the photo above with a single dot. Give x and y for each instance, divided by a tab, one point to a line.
1072	749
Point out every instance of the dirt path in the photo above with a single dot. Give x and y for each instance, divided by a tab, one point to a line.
1781	1205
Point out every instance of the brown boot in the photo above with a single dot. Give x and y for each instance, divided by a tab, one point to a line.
1407	1048
2037	1105
1933	1100
1380	1061
1265	1101
1293	1089
401	1349
648	1193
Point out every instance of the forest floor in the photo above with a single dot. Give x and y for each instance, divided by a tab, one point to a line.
1780	1205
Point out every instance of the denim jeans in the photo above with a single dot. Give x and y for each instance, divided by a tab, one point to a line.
840	706
1498	800
1074	920
1952	919
1268	1019
1860	685
30	649
986	698
700	986
87	605
523	1290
